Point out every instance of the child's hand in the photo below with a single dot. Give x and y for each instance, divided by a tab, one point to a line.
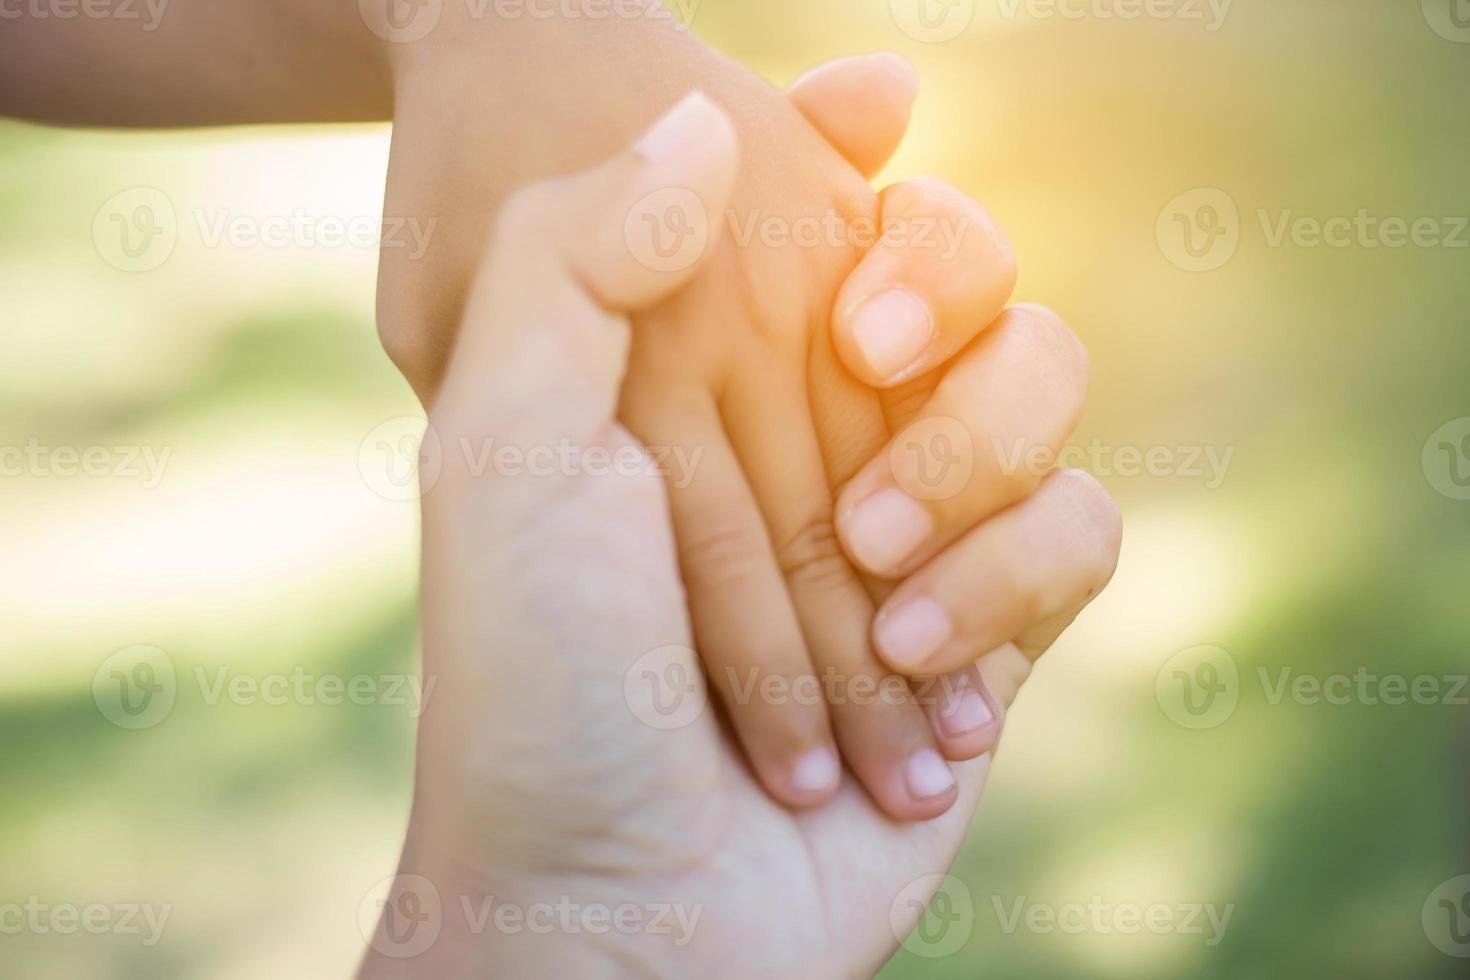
741	368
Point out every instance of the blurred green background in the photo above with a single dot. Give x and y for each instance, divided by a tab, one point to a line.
1154	762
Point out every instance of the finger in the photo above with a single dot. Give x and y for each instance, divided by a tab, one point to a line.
989	433
1041	559
861	104
748	635
941	272
882	731
963	713
544	346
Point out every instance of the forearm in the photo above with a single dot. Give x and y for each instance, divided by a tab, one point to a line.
190	62
217	62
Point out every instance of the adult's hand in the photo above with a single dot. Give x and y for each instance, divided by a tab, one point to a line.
557	785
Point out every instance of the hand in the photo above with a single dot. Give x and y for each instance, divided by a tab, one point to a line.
736	368
546	775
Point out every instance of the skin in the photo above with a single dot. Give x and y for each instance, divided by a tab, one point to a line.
754	363
618	808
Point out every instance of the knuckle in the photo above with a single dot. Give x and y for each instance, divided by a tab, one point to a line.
812	557
722	554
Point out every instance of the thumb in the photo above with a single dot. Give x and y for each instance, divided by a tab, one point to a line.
861	104
544	344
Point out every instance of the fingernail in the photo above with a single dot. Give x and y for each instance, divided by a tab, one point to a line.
885	529
685	125
965	714
927	775
815	770
892	329
911	632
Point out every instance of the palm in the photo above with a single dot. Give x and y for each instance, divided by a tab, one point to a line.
628	805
